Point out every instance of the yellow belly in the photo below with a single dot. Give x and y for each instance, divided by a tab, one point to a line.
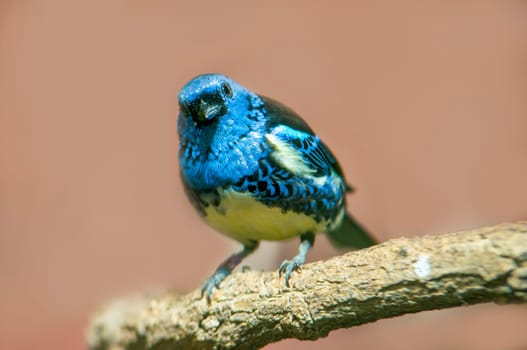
243	218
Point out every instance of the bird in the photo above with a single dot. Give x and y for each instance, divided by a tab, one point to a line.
254	170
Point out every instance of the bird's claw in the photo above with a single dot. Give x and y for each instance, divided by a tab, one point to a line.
288	266
213	282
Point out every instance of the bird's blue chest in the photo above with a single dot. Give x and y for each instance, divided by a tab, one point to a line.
213	166
221	153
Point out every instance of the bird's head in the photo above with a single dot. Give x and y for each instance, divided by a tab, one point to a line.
208	97
216	117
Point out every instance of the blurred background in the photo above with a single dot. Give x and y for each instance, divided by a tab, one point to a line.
424	103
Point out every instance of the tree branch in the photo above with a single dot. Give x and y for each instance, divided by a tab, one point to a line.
252	309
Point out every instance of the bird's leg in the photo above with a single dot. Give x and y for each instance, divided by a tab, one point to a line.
288	266
226	268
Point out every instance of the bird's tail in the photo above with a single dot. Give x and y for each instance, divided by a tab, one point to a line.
350	234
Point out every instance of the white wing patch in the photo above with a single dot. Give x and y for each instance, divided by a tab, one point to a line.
285	154
288	157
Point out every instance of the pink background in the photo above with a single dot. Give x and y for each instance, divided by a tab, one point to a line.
423	103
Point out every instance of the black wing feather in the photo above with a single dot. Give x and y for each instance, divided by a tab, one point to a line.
315	152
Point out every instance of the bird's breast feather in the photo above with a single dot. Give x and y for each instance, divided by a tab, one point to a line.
242	217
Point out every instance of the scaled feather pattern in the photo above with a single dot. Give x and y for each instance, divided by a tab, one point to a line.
255	170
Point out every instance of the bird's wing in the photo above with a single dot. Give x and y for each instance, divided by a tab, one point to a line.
295	145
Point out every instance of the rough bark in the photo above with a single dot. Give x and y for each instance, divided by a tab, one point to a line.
252	309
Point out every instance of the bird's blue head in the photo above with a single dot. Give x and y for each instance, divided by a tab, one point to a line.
208	97
216	117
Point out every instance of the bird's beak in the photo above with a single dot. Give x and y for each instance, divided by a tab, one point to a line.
208	111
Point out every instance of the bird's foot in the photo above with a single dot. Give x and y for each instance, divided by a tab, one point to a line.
288	266
226	268
214	282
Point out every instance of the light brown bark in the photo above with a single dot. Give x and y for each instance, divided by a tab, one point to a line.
252	309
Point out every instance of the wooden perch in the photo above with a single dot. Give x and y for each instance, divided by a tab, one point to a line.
252	309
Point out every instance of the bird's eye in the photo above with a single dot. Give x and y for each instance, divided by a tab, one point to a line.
226	90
